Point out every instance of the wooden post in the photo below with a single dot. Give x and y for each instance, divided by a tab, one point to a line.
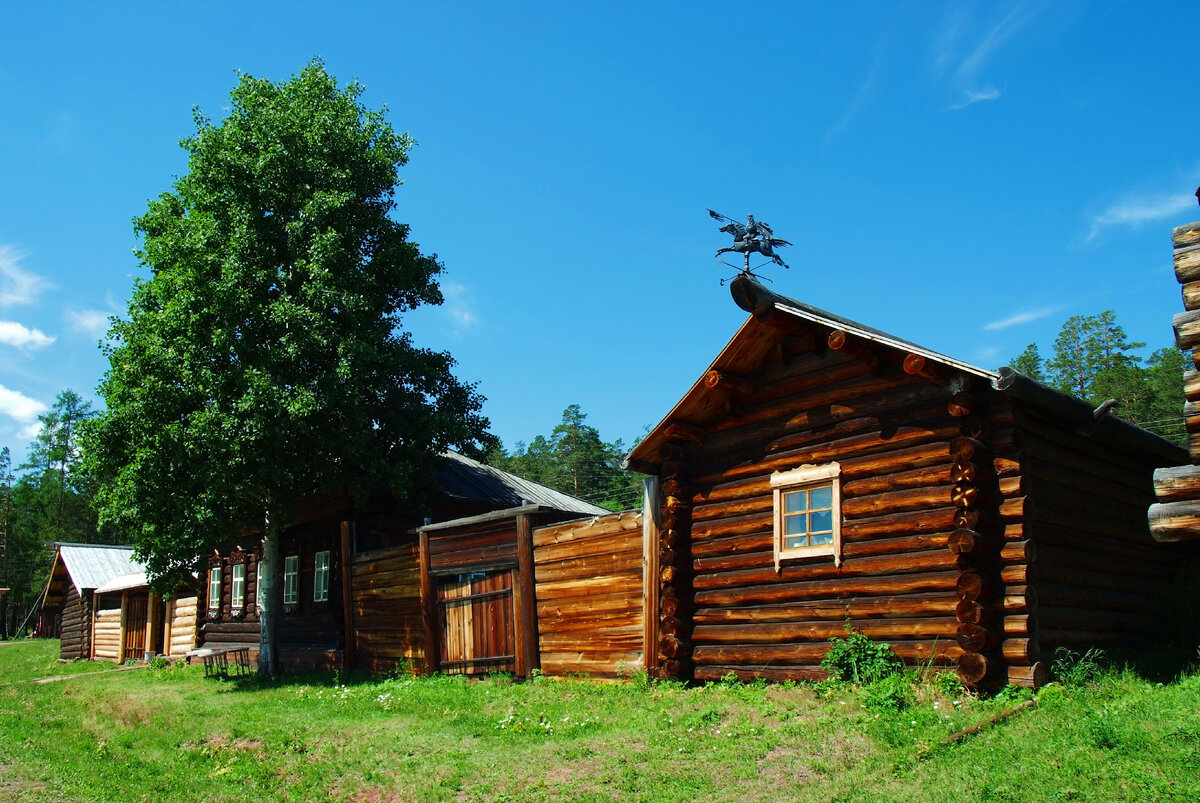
348	640
650	573
525	601
151	623
429	610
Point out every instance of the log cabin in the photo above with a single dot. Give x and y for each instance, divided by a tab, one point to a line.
1175	516
325	617
822	474
98	604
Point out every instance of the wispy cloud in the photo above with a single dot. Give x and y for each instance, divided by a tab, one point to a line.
22	337
856	103
988	43
17	285
92	322
459	305
20	407
986	354
1021	317
972	96
1133	211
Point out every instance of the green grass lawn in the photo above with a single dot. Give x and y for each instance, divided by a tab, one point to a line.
169	734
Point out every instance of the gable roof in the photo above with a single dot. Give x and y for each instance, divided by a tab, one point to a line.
92	565
464	478
749	346
747	349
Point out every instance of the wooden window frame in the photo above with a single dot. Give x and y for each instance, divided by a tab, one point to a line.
214	584
291	570
237	587
321	575
258	584
807	477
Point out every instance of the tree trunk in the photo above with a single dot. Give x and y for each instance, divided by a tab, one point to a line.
270	597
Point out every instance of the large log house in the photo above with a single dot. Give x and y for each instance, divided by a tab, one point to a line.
823	473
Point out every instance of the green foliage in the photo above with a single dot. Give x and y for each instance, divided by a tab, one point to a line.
263	357
1094	360
1072	668
576	461
174	735
892	692
855	658
1029	362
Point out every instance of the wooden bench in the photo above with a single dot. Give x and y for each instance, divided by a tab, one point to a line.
218	662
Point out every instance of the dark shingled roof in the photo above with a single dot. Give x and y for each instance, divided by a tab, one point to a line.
465	478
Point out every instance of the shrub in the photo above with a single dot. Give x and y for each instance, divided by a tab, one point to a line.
858	659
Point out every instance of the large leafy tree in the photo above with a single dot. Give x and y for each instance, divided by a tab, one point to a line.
263	357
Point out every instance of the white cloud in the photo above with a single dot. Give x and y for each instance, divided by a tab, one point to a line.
17	285
1018	318
22	337
459	304
860	97
20	407
986	354
93	322
972	96
966	76
1135	211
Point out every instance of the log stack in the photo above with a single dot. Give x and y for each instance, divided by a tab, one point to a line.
1176	514
675	566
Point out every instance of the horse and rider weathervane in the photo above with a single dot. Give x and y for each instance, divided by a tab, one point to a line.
753	237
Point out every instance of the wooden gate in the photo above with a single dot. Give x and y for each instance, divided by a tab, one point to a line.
476	616
135	628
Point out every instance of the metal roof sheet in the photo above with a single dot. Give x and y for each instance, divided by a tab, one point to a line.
469	479
93	565
125	581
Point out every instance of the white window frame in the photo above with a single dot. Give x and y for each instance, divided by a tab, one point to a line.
291	580
214	590
321	576
258	584
237	587
807	477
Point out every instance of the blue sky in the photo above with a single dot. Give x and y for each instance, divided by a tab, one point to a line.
962	175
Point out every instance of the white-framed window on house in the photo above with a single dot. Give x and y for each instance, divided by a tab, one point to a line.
237	587
808	512
291	579
214	590
321	576
258	583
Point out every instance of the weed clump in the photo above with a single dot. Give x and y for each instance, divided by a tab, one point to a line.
859	660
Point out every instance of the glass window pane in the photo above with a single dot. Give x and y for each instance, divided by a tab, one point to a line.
822	538
793	525
821	497
795	542
795	501
822	520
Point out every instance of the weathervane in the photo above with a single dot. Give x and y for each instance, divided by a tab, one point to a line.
755	237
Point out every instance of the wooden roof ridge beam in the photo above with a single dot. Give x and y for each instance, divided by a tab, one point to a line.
840	341
1186	235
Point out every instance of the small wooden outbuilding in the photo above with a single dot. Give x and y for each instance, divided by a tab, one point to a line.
822	473
99	605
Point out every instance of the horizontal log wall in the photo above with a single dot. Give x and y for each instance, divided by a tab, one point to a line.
589	588
1082	504
181	626
106	632
386	593
76	629
890	431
